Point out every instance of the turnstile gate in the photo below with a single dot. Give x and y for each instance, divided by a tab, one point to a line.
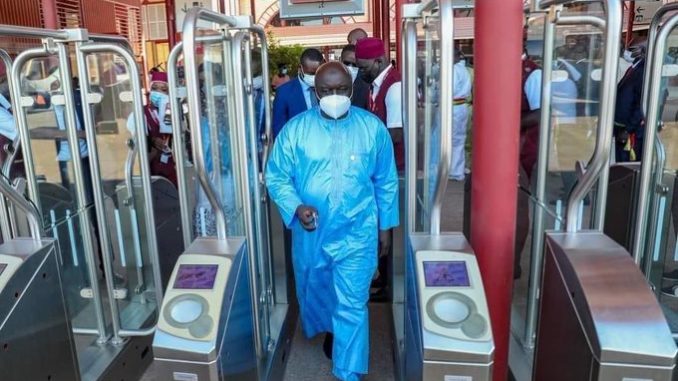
447	328
599	319
227	314
35	330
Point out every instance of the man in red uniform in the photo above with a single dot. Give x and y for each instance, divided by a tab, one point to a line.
159	129
384	101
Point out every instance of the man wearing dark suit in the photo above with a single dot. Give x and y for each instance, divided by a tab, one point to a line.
629	121
297	95
361	90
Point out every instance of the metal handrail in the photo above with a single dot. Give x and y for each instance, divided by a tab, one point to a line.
652	121
601	155
192	86
20	117
81	51
18	200
645	185
446	14
28	32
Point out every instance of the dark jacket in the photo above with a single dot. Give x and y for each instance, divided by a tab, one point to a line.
628	112
361	92
289	102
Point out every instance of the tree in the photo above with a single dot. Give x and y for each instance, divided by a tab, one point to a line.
282	54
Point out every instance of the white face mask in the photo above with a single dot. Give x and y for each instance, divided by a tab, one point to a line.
354	72
335	106
523	57
258	82
308	79
628	56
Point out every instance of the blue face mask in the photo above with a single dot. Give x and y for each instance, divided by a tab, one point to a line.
157	98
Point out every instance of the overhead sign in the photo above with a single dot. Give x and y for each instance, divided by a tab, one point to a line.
645	11
296	9
181	7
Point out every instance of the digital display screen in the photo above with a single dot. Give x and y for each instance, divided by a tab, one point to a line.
446	274
196	277
3	266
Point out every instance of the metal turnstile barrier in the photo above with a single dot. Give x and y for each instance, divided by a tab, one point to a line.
223	318
35	330
205	328
598	318
447	328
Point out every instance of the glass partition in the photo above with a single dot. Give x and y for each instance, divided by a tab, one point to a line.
572	133
660	261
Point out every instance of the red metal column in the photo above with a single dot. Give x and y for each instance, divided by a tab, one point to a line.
49	14
398	26
376	19
386	27
496	116
631	8
171	23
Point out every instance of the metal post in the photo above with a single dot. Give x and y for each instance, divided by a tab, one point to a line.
601	155
410	103
653	78
499	32
5	228
446	34
253	223
81	194
542	169
178	144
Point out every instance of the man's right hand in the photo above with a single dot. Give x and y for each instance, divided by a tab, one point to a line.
306	215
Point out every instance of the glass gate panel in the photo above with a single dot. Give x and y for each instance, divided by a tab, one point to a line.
108	91
660	260
572	117
428	121
42	94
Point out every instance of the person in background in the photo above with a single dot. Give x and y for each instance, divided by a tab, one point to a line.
530	117
462	90
355	35
629	121
574	49
336	197
361	90
297	95
384	101
158	128
281	78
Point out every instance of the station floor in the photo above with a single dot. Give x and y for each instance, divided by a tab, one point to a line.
307	361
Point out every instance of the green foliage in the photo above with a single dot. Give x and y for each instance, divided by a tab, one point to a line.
278	54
